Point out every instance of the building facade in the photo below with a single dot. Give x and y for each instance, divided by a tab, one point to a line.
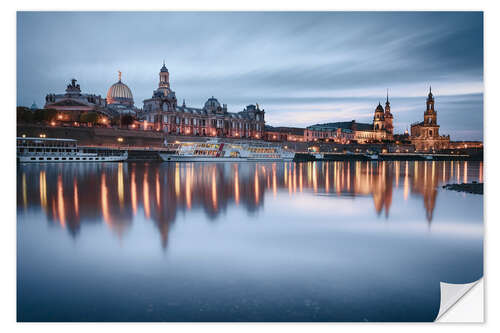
331	132
282	134
119	98
345	132
72	104
162	112
425	135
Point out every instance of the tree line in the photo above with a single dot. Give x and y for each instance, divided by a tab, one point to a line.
27	115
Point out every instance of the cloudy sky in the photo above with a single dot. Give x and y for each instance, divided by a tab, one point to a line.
302	68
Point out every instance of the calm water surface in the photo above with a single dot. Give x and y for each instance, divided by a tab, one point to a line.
322	241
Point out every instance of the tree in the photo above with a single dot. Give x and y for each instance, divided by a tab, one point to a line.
127	120
44	115
89	117
24	114
115	121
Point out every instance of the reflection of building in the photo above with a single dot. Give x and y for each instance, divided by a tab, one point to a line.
425	135
117	194
73	103
213	119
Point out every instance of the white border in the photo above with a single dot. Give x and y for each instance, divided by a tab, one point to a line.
8	201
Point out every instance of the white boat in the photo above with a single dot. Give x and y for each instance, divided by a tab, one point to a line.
215	151
319	156
38	150
372	157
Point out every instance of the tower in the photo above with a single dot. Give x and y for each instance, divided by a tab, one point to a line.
378	118
388	116
164	77
430	115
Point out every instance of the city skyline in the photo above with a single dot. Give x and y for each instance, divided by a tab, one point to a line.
302	68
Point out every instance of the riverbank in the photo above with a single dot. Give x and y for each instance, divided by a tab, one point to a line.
474	187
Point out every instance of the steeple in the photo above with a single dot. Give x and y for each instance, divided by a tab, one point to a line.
119	76
163	68
430	101
378	117
388	115
164	78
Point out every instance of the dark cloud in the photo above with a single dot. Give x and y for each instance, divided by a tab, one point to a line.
300	62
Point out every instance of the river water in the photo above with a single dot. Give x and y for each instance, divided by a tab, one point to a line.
317	241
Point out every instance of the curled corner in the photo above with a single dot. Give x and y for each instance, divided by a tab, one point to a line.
451	293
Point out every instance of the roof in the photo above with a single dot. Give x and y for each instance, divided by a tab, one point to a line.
345	125
283	129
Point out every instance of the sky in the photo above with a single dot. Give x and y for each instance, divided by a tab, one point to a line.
303	68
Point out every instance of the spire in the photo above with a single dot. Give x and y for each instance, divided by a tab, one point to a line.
183	103
163	68
387	101
430	96
119	76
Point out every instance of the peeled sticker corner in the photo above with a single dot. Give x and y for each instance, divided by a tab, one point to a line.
452	294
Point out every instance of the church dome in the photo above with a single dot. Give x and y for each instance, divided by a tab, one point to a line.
379	108
212	104
120	93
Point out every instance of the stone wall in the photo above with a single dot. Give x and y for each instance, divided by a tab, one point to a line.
95	136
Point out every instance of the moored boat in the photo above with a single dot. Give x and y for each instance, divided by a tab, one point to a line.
215	151
37	150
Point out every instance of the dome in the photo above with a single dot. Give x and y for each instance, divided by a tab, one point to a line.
119	93
212	104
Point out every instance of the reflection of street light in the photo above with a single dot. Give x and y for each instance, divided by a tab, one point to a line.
120	139
43	135
53	123
59	116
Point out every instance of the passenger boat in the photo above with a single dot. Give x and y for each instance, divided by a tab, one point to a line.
215	151
36	150
372	157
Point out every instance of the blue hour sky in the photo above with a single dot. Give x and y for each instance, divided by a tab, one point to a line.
303	68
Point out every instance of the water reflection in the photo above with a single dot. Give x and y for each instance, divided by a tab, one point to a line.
116	193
